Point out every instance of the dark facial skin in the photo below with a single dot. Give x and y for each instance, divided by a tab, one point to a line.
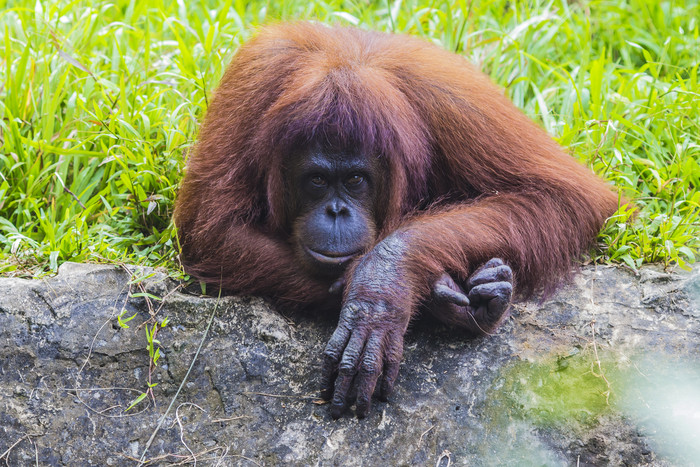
335	197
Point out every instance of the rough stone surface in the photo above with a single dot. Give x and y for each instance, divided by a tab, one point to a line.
68	371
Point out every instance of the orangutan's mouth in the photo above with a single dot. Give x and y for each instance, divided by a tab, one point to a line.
331	258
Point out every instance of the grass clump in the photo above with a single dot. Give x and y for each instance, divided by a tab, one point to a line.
100	103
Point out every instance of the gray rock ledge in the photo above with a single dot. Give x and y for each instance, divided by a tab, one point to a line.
68	371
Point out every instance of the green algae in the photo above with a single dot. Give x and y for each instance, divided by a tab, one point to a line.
558	391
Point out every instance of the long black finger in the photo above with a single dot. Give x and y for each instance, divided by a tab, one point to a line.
368	373
491	290
393	353
493	301
391	371
445	294
342	385
331	358
329	373
346	372
493	262
501	273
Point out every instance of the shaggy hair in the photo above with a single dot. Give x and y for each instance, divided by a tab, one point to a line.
464	171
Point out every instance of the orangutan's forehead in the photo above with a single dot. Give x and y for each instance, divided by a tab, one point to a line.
332	161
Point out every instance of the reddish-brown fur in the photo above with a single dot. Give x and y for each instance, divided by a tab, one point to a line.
466	173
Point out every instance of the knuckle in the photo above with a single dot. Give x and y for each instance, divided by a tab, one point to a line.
356	305
504	271
504	287
346	369
338	400
369	368
344	328
336	341
495	262
351	308
331	354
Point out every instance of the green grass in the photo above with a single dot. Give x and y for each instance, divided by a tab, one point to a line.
100	103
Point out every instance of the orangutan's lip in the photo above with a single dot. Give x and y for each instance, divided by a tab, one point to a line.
330	258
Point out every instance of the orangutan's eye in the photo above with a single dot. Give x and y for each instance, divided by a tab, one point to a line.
354	180
318	181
